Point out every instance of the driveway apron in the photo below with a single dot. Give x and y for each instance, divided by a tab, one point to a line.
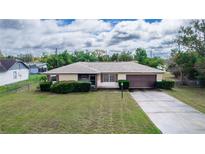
169	114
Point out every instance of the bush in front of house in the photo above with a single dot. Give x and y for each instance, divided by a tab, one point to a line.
126	84
63	87
165	84
201	80
43	78
45	86
82	86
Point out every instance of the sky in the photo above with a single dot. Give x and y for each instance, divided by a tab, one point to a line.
112	35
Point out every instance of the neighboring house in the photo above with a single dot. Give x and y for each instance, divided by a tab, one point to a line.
35	68
12	71
106	74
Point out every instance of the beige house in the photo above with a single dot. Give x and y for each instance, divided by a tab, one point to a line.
106	74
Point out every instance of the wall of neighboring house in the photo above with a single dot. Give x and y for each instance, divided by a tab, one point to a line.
33	70
14	74
67	77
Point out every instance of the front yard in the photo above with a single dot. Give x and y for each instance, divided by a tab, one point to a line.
93	112
194	97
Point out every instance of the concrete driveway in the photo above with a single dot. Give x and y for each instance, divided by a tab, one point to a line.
170	115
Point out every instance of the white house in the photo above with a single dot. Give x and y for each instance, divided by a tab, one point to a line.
12	71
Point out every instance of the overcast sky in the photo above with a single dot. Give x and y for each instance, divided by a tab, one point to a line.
36	36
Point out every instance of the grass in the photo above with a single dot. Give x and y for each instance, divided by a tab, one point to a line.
33	79
192	96
93	112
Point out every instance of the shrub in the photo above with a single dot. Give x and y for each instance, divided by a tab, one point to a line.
125	84
165	84
201	80
82	86
45	86
43	78
64	87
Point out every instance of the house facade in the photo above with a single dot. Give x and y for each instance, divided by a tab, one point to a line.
12	71
106	74
36	68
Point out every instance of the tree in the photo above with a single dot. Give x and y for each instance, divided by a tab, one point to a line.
65	58
140	55
104	58
125	56
114	57
192	37
26	57
1	55
189	61
184	63
155	62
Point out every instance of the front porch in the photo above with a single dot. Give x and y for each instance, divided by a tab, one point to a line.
92	78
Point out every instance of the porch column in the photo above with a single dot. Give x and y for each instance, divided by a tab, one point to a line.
49	77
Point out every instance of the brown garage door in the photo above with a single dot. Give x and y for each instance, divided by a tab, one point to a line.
141	81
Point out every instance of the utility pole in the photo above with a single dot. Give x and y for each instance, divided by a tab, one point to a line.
151	55
56	52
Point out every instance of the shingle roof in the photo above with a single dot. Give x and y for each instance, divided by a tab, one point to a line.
2	69
34	65
6	64
104	67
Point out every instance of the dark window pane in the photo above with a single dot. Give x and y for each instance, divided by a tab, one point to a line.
109	77
83	77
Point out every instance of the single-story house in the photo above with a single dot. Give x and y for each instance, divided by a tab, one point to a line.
35	68
106	74
12	71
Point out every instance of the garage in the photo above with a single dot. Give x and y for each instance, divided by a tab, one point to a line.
141	81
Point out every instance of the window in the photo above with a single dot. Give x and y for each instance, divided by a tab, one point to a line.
15	75
53	78
83	77
109	77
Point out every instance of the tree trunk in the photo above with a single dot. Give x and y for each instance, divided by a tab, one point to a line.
181	78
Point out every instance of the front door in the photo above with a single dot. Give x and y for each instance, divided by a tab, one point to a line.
93	81
88	77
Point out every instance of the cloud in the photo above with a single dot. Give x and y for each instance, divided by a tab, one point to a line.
157	37
36	36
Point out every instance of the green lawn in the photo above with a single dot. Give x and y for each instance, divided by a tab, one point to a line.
194	97
93	112
33	80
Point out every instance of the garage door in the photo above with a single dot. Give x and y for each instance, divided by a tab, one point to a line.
141	81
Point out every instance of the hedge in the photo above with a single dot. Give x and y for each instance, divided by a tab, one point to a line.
165	84
45	86
64	87
125	84
201	80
